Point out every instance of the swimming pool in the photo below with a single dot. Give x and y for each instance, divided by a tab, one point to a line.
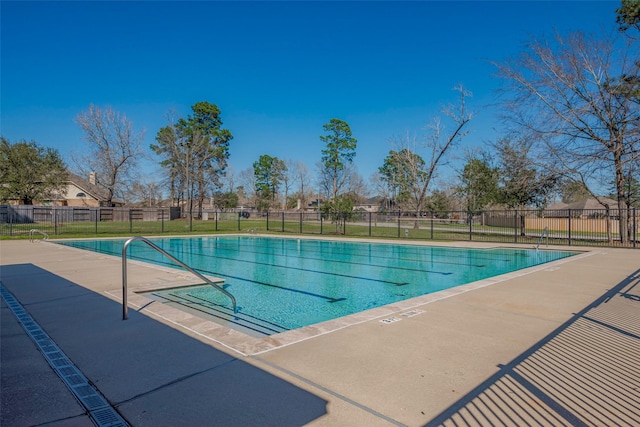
286	283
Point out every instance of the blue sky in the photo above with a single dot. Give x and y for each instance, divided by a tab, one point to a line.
277	70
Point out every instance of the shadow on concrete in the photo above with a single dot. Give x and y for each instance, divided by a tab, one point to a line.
151	373
586	372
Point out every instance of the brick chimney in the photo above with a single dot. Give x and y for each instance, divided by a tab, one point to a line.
92	178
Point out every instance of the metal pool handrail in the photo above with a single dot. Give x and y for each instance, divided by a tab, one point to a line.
171	257
545	232
35	230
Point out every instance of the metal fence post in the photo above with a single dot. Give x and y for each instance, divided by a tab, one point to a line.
320	223
283	221
369	224
635	227
569	225
432	215
217	214
515	226
267	220
398	224
470	219
55	221
162	218
300	222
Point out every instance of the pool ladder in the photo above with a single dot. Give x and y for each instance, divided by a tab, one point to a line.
545	232
172	258
35	230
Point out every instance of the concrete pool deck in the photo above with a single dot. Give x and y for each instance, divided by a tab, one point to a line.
559	345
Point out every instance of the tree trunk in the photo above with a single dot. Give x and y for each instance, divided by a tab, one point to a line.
620	193
608	224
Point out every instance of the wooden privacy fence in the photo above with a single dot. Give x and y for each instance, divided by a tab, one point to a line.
574	224
595	221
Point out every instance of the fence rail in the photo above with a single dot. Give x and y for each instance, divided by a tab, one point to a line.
593	227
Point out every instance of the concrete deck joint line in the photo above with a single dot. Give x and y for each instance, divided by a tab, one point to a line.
100	411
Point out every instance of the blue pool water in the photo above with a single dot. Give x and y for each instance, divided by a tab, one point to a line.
282	283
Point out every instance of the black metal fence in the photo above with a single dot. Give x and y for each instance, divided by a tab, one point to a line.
593	227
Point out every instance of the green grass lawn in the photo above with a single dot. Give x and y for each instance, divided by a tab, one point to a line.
441	231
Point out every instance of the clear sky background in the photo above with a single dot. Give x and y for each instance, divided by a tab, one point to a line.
277	70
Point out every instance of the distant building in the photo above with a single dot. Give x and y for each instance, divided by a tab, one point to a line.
588	207
84	192
80	192
371	204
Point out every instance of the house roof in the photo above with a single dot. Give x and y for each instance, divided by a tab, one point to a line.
93	190
588	203
370	201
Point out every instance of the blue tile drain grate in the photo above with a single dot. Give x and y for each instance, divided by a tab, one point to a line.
103	414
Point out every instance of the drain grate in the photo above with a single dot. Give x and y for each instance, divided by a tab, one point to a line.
106	418
103	414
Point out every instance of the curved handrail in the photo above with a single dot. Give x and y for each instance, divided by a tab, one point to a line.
171	257
35	230
545	231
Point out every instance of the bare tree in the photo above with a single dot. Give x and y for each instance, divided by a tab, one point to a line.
417	171
296	180
289	178
228	180
248	182
304	180
113	148
357	186
574	95
340	181
382	190
146	193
